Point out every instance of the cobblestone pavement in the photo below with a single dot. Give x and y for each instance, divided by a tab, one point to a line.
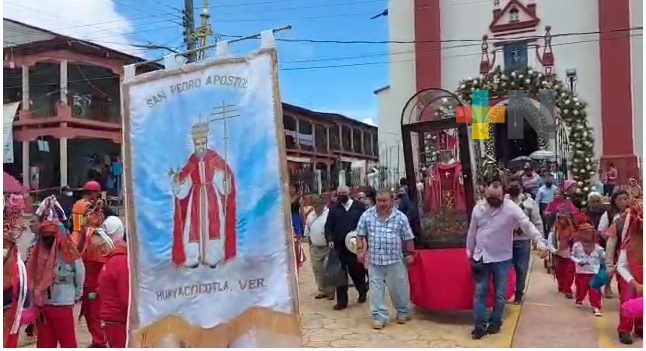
546	320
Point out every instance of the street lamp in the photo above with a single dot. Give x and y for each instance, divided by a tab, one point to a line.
572	78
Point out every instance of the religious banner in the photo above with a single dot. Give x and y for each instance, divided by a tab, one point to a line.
211	248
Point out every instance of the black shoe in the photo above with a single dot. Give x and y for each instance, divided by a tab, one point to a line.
569	296
639	333
493	329
95	346
339	307
320	296
518	299
362	298
625	338
478	333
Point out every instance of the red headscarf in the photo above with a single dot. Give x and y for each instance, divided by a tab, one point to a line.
586	233
42	263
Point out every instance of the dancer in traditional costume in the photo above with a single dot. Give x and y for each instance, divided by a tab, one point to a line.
630	267
560	241
588	257
57	273
14	272
94	245
114	286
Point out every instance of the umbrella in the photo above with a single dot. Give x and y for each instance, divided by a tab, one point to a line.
11	184
518	162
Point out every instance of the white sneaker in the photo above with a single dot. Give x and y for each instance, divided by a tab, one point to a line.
597	312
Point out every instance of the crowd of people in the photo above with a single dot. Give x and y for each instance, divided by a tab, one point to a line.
77	256
587	246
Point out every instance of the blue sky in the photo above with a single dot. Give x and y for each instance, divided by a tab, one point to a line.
346	90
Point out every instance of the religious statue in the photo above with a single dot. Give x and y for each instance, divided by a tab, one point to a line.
445	216
204	221
445	188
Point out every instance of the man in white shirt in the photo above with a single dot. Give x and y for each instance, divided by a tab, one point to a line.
319	248
522	241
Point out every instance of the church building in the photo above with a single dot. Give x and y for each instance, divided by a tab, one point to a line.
593	46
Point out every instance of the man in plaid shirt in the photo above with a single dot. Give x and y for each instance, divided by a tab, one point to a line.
386	243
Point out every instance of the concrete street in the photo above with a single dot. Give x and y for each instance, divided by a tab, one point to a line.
545	320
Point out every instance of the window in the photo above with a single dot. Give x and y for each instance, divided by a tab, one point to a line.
320	138
346	136
515	56
289	124
335	138
305	135
356	141
514	15
367	143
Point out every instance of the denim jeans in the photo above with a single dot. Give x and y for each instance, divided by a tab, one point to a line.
499	271
395	278
521	252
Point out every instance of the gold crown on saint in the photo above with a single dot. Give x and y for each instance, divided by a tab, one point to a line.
200	130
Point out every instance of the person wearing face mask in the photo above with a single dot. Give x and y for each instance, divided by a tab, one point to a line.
545	193
342	219
114	285
489	249
531	180
57	273
522	246
319	249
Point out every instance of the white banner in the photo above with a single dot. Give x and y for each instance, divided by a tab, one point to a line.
8	115
211	248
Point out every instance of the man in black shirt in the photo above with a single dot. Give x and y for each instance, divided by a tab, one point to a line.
342	219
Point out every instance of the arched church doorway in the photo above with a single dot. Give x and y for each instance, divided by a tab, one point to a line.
507	148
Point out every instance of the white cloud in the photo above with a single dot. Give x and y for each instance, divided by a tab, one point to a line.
368	116
95	20
369	121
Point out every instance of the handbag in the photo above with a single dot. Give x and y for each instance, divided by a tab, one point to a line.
600	279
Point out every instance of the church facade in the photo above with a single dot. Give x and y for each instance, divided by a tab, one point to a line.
593	46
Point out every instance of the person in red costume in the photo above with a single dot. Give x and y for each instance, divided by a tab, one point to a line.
204	222
114	286
93	245
560	241
630	267
14	277
57	273
446	186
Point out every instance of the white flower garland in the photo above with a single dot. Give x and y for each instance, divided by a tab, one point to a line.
570	109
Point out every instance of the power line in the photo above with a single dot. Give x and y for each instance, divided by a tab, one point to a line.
444	57
367	63
559	35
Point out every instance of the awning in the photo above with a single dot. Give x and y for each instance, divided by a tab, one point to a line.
8	114
11	184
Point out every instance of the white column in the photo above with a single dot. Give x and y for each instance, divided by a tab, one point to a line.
25	163
25	88
63	85
63	161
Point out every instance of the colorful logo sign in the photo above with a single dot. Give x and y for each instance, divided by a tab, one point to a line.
480	114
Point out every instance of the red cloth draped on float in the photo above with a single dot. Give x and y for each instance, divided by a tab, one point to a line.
440	278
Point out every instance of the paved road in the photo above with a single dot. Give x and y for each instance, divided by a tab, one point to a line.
546	320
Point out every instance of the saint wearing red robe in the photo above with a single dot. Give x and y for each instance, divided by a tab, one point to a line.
204	221
445	184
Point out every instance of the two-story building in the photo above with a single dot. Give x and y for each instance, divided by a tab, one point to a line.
326	149
67	92
68	125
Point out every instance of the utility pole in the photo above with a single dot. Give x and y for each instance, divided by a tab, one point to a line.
204	31
189	29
